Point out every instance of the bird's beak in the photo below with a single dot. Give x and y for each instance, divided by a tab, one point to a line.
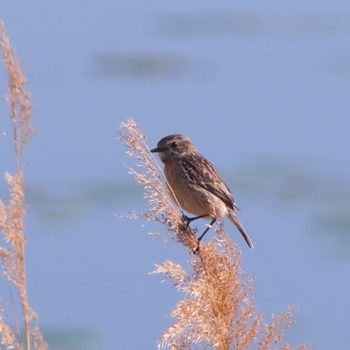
156	150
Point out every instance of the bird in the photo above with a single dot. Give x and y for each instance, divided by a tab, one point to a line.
196	185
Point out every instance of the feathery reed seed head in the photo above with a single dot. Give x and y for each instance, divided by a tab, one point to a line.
217	308
12	254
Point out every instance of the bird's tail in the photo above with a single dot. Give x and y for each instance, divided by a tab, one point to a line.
233	217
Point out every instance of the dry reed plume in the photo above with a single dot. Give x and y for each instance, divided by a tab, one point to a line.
217	309
12	250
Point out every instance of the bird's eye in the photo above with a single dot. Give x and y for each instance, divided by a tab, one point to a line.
174	144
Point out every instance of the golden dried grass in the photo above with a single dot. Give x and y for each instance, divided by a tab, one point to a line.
217	309
12	253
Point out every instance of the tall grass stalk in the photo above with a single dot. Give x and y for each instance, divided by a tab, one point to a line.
12	252
217	309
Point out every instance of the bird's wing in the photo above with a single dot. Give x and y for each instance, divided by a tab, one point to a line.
203	173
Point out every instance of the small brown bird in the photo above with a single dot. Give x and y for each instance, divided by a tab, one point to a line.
195	184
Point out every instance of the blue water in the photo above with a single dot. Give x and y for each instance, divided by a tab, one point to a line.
261	88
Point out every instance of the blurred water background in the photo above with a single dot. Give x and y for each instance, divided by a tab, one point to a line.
262	88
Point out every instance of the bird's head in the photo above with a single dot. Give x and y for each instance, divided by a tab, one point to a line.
174	147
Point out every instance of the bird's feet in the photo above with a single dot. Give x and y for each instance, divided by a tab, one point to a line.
186	220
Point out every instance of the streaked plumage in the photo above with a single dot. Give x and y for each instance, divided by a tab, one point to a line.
195	183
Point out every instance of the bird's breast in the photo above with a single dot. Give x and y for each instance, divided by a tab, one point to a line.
186	191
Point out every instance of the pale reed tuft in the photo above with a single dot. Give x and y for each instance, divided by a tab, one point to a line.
12	252
217	309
